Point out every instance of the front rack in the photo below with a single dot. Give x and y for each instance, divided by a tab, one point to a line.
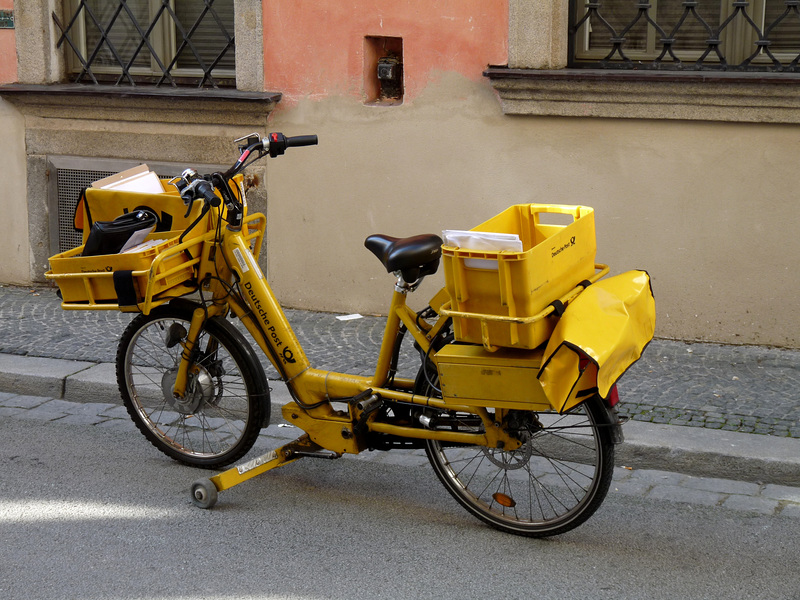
160	274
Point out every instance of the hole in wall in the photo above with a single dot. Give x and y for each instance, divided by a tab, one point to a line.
383	70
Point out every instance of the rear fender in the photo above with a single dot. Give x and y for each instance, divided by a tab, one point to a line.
609	418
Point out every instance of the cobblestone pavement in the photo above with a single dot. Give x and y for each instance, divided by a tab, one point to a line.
655	485
737	388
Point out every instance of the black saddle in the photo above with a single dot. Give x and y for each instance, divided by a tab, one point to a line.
414	257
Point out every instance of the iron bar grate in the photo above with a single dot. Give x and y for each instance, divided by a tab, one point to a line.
158	42
696	35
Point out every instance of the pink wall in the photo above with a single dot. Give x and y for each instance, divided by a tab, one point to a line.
315	48
8	49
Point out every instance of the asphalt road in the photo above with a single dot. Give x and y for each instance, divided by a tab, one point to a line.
92	512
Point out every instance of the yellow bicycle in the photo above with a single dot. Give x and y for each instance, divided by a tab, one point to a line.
522	434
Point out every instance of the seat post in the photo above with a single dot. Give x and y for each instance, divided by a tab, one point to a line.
389	337
404	287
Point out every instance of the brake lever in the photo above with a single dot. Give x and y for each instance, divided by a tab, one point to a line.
189	204
252	138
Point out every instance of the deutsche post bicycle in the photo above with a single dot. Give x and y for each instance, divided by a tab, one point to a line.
514	411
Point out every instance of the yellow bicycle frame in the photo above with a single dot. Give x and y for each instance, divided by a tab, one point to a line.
230	258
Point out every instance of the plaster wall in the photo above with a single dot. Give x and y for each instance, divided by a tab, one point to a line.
703	205
14	243
316	49
700	205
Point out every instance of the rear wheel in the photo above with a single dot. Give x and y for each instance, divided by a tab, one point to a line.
223	410
552	483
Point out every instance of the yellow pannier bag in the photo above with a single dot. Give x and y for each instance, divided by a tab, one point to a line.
610	324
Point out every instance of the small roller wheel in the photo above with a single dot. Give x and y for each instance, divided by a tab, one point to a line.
204	493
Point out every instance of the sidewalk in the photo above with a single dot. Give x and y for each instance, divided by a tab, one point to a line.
699	409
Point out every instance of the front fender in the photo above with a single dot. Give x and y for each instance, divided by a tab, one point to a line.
599	336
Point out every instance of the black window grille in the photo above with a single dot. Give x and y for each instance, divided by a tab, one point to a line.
696	35
157	42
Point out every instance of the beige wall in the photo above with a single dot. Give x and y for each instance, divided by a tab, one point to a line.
704	207
14	243
702	200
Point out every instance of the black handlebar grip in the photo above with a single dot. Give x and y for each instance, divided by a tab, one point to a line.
302	140
207	191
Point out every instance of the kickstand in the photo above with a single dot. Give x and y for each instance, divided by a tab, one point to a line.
205	497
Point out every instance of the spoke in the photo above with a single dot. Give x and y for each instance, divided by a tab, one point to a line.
144	375
480	455
507	491
538	487
565	478
159	418
558	464
500	472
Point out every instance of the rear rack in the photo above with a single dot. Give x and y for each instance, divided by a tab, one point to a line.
516	322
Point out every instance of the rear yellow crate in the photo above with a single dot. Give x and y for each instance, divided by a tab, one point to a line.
554	259
89	280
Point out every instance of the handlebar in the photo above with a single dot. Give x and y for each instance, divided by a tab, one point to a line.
276	143
206	190
302	140
193	186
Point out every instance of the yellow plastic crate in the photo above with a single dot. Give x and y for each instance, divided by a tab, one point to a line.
508	285
107	204
89	280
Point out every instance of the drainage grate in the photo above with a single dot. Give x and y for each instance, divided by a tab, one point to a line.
69	183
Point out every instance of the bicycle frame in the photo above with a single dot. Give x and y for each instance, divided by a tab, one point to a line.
315	390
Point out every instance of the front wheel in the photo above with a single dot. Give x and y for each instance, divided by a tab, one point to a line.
552	483
220	416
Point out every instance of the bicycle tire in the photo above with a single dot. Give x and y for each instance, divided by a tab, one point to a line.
227	399
553	483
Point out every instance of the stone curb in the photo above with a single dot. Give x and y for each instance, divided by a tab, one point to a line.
711	453
34	376
688	450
